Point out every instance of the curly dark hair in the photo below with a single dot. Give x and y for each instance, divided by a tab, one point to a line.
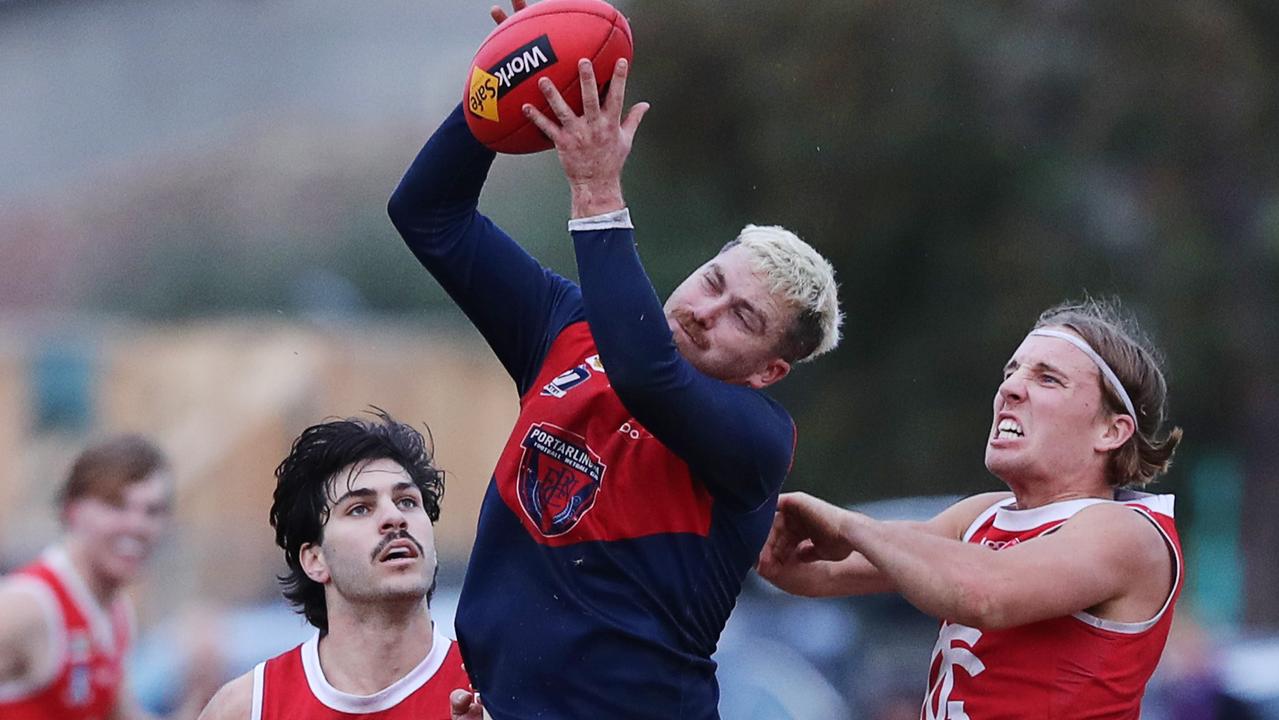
305	490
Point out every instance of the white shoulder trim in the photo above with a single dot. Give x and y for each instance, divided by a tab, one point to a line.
384	699
607	221
1159	504
1140	627
259	682
1014	520
100	625
985	515
48	602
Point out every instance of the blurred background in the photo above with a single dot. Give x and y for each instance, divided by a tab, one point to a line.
193	245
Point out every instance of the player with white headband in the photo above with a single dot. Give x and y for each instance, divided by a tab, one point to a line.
1055	599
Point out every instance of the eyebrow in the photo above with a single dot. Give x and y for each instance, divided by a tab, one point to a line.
745	305
1039	367
713	268
365	493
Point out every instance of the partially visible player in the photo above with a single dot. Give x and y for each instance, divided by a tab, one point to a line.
1055	599
65	622
354	506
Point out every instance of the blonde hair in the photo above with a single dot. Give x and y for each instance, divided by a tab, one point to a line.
802	277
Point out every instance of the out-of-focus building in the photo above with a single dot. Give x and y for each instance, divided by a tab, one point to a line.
225	399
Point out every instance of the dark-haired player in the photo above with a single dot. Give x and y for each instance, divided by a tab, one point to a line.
639	482
354	505
65	621
1055	599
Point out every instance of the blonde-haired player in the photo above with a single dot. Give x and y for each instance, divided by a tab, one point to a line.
639	481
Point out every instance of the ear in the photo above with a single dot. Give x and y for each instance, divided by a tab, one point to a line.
773	370
1118	430
311	558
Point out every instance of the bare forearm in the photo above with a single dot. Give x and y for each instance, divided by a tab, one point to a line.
942	577
810	550
855	575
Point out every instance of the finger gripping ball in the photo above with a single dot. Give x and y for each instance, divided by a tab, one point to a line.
545	39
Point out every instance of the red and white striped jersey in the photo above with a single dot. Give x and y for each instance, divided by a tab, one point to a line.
1076	667
292	686
88	643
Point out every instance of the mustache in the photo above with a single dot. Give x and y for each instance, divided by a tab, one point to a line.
392	537
685	318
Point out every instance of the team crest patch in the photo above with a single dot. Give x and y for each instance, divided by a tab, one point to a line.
559	478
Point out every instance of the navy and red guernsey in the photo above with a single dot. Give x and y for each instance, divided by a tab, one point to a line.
634	493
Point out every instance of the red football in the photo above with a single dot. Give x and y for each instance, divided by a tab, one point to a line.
545	39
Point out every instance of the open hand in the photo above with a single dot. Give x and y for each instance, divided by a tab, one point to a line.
594	146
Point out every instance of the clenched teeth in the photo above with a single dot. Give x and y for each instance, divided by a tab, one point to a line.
1009	428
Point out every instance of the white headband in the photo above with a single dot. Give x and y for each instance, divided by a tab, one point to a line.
1106	372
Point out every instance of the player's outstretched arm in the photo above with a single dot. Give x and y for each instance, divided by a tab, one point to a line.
514	302
233	702
807	555
1108	560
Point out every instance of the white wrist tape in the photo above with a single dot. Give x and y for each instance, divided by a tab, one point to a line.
607	221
